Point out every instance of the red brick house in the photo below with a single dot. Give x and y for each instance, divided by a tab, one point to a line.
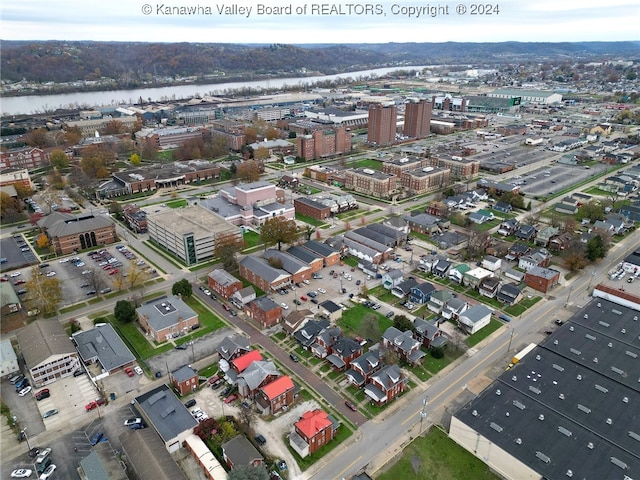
313	430
241	363
184	379
298	269
223	283
136	218
312	208
272	397
363	367
68	233
264	311
330	255
233	347
263	275
541	279
343	352
385	385
256	375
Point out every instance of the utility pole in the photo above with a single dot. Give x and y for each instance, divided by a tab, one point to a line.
24	432
568	296
510	338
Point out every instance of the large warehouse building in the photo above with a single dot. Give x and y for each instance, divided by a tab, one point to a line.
569	409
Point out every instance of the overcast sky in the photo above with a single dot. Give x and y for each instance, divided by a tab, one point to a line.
304	21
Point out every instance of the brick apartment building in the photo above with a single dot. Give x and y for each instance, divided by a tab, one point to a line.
423	180
13	176
166	137
400	164
264	311
371	182
324	142
223	283
311	208
460	168
135	217
382	124
417	119
314	429
23	158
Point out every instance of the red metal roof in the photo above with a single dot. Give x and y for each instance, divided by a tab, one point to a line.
313	422
243	361
277	387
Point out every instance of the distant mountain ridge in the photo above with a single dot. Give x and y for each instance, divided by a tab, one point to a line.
132	63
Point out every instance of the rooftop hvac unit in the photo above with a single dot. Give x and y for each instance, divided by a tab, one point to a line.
368	171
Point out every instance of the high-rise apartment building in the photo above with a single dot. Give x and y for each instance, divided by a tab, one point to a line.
417	119
382	124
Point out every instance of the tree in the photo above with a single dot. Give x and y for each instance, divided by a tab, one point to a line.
248	172
37	138
115	209
402	323
272	133
261	154
124	311
135	159
95	158
591	210
22	190
248	472
250	135
114	127
226	248
369	327
390	357
44	293
9	207
183	287
596	248
59	159
42	241
308	231
575	261
279	230
437	352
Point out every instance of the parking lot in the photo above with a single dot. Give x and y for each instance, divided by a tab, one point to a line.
554	178
16	253
94	273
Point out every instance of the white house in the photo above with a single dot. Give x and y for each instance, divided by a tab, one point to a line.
491	263
475	318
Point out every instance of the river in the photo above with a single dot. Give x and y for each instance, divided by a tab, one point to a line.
30	104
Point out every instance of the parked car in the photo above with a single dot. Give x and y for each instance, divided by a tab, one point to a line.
260	439
322	290
42	394
129	371
282	465
132	421
558	322
351	406
303	298
233	313
294	357
390	314
24	391
297	302
230	398
137	426
21	473
50	413
91	406
48	472
504	317
190	403
138	370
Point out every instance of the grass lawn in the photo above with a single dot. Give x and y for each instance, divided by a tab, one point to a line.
136	341
437	456
208	320
367	163
251	239
309	220
484	332
434	365
177	203
352	318
351	261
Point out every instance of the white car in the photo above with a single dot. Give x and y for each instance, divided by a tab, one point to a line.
322	290
306	282
64	260
24	391
48	472
51	274
80	264
284	306
137	369
21	473
132	421
86	272
15	274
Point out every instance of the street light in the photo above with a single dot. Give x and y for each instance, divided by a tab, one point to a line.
24	432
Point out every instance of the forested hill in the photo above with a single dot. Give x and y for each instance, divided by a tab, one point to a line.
58	61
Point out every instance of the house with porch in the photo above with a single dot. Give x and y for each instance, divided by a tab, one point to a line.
325	340
438	300
516	251
508	227
385	385
429	334
545	235
256	375
275	396
509	294
243	296
315	429
489	287
307	335
560	242
421	293
526	233
453	308
441	268
403	344
392	278
233	346
343	352
403	289
456	273
363	367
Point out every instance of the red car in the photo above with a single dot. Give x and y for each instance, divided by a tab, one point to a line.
303	298
129	371
230	398
351	405
214	379
19	282
113	272
226	307
90	406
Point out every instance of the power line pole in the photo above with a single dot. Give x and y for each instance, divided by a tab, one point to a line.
423	412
